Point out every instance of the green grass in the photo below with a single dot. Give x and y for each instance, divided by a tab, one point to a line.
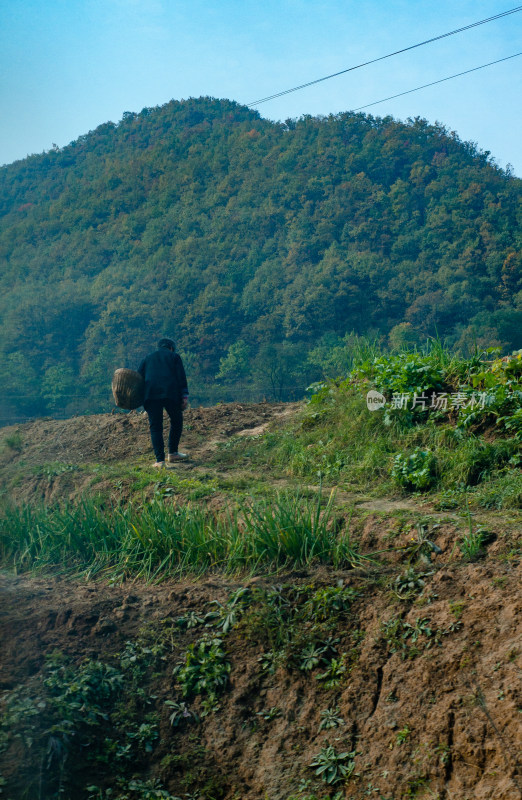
502	490
352	446
136	480
13	441
156	540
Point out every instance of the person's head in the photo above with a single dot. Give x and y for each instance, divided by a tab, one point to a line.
167	343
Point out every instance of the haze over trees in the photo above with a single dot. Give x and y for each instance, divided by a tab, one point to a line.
259	246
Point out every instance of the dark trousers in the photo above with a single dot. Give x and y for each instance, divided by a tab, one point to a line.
154	409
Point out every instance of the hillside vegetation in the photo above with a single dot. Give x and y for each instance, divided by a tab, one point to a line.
258	245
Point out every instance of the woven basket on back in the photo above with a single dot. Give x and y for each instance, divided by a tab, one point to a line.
127	388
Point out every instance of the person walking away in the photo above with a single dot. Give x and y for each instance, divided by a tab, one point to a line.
165	388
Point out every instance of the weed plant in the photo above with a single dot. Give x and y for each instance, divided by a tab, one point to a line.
473	543
205	670
331	766
132	790
296	626
410	640
330	718
70	722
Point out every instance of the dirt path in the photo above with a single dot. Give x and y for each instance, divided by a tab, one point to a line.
106	438
52	449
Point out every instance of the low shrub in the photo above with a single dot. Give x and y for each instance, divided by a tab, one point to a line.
415	471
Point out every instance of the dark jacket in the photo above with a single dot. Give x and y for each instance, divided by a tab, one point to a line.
164	376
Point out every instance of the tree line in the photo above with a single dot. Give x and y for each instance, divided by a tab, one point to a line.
263	248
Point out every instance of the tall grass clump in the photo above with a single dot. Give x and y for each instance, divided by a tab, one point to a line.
94	538
156	540
474	461
290	530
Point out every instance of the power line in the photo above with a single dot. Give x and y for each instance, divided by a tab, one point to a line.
389	55
441	80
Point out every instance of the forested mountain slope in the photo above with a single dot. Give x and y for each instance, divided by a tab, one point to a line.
257	245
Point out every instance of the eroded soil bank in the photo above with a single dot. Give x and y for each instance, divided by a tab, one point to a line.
431	708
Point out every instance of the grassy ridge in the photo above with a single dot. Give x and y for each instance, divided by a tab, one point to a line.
160	540
471	447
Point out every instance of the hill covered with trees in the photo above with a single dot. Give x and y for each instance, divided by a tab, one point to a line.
260	246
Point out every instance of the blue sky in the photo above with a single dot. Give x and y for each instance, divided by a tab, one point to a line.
67	66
